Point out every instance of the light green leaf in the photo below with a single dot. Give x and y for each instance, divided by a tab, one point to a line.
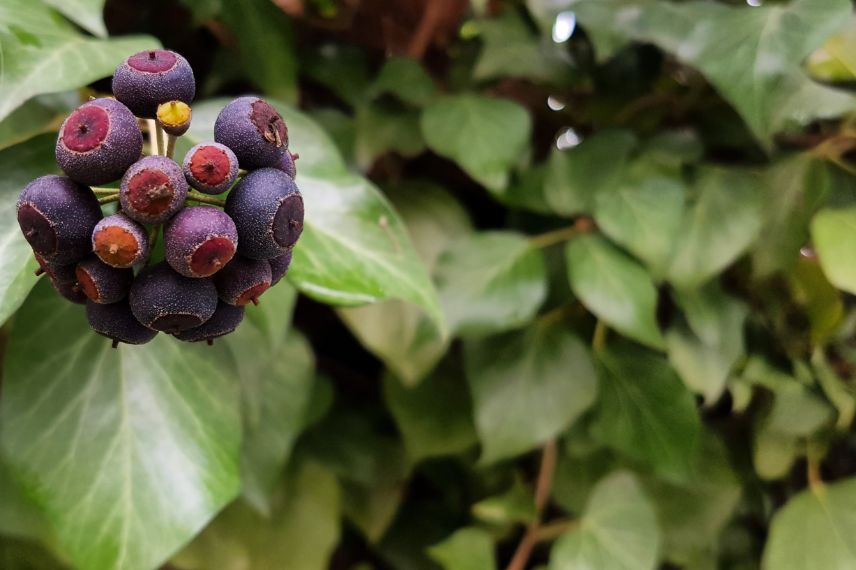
275	370
265	41
645	412
491	282
435	417
300	533
692	515
511	50
614	287
130	452
618	530
642	212
396	332
815	529
42	114
19	516
467	549
354	248
86	13
705	347
382	129
43	53
718	228
751	55
527	387
834	62
19	165
516	505
576	175
485	136
406	79
597	17
833	232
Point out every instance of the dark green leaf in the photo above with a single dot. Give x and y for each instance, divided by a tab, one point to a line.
39	115
527	387
485	136
576	175
406	79
435	417
491	282
265	41
614	287
130	451
645	412
516	505
381	130
722	223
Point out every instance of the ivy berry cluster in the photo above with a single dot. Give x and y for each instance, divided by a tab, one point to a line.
214	261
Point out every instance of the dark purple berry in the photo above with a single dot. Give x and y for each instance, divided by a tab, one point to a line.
57	216
152	190
243	281
116	322
288	164
210	167
199	241
101	283
267	209
69	291
163	300
120	241
98	142
253	130
279	266
225	320
149	78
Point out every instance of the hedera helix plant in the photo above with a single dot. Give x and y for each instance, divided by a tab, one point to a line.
590	265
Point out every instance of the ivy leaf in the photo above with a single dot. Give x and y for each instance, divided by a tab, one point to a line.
42	114
354	248
300	533
19	164
86	13
43	53
516	505
382	129
833	233
618	530
467	549
614	287
718	228
265	41
512	50
275	370
753	56
435	417
129	452
704	347
576	175
485	136
645	412
815	529
396	332
642	212
406	79
543	368
491	282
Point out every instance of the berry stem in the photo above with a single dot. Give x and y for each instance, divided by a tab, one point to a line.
197	197
154	232
108	199
153	137
105	191
161	138
170	145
